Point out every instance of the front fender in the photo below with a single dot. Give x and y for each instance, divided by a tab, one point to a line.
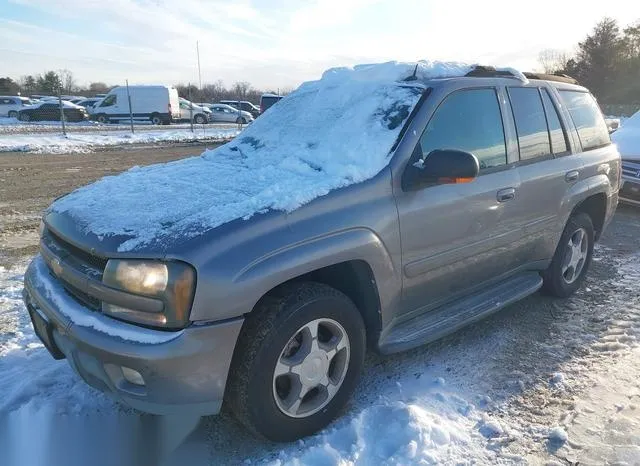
261	275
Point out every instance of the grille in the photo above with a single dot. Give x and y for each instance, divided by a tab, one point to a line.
631	169
81	261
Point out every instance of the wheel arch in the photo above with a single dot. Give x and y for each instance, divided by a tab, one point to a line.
356	280
595	206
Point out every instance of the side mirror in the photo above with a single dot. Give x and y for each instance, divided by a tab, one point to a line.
441	166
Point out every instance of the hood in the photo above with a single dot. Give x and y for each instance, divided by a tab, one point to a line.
328	134
627	138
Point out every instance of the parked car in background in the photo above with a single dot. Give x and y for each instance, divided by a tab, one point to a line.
89	103
158	104
627	138
267	100
243	105
189	110
11	105
50	111
228	114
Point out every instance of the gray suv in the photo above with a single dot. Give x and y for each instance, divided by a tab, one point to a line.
491	188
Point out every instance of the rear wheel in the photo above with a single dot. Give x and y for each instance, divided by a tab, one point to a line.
241	121
102	118
13	114
156	119
297	361
572	257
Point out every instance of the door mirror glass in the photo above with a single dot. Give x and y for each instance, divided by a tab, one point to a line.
441	166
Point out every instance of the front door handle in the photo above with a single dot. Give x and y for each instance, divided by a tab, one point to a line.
506	194
571	176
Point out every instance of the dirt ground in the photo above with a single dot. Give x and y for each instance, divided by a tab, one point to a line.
29	183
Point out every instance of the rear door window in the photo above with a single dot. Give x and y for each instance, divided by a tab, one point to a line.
531	122
468	120
557	132
588	119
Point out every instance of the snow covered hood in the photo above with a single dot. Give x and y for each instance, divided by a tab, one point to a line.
627	138
328	134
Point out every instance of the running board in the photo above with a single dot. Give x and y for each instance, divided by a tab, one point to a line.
439	322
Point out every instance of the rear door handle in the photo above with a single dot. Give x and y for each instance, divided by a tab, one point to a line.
506	194
573	175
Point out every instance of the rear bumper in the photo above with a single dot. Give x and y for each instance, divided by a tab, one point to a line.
184	371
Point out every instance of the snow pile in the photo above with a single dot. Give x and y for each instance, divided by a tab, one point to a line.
558	435
627	138
85	143
328	134
425	431
31	379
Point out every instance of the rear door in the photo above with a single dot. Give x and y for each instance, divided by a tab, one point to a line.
546	168
455	237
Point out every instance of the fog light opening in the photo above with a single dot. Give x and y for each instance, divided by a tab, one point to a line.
132	376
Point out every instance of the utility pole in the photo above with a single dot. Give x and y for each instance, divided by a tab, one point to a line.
199	73
130	109
64	128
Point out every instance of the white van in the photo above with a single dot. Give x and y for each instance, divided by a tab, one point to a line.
158	104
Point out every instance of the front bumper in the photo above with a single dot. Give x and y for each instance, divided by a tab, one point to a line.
630	190
183	371
630	182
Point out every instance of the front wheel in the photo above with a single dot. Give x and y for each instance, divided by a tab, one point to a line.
102	118
572	257
13	114
297	361
200	119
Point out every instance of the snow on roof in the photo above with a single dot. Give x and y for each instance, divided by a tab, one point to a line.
328	134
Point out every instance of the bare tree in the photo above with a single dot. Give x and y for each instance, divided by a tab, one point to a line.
67	80
553	60
98	87
240	89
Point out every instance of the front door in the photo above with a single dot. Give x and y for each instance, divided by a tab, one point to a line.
457	236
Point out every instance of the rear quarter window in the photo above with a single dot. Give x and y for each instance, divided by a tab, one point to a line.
588	119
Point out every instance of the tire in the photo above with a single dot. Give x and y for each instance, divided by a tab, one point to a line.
24	117
200	119
276	336
102	118
241	121
572	258
13	114
156	119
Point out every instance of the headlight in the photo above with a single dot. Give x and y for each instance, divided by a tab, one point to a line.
171	282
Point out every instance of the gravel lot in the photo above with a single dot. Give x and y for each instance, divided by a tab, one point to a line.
29	183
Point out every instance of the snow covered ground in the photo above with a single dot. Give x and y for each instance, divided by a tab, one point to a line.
543	382
47	143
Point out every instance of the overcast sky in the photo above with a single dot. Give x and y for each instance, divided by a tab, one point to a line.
280	43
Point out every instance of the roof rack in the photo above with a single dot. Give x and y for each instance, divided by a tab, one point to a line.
481	71
559	77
